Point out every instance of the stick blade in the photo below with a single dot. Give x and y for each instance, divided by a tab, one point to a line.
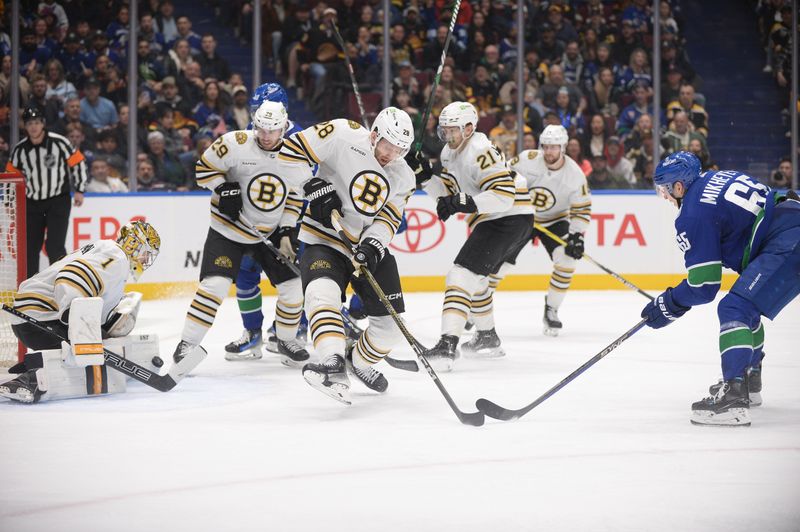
474	419
496	411
405	365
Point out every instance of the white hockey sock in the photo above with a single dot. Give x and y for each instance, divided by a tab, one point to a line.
288	309
203	309
322	303
563	268
377	341
461	285
482	312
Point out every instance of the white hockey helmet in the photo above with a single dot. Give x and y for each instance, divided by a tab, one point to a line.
395	126
141	243
271	116
457	114
555	135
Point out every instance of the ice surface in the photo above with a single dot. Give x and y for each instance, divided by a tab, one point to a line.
250	446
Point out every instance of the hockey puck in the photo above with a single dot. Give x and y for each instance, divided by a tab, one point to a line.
157	362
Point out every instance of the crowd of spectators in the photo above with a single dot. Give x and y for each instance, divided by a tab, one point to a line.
587	65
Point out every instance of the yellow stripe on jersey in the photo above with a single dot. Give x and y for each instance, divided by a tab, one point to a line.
233	226
320	234
75	285
307	148
504	174
37	299
207	166
100	285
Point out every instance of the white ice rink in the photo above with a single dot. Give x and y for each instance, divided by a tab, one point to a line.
250	446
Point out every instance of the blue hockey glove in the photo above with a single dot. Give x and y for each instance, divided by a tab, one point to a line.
449	205
663	310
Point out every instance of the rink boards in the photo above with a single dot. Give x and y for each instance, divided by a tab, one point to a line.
631	233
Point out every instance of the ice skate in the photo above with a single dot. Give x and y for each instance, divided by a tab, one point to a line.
271	344
729	406
753	386
367	375
552	325
248	347
484	344
329	377
23	389
444	353
181	350
293	355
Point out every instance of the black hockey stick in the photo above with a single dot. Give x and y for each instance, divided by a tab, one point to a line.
610	272
352	73
397	363
162	383
438	76
475	419
498	412
270	246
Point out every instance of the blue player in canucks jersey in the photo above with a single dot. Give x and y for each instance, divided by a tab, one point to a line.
248	292
728	219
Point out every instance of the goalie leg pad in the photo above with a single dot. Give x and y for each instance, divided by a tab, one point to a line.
84	333
141	349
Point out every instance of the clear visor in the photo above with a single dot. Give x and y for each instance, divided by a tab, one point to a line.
446	133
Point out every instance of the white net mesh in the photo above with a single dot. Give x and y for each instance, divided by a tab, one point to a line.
12	261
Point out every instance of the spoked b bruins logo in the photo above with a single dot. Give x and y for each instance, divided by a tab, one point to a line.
542	198
266	192
369	191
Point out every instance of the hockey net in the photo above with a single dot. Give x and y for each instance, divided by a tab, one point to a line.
12	260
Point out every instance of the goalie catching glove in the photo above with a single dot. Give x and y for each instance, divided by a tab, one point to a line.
369	253
230	199
449	205
322	201
663	310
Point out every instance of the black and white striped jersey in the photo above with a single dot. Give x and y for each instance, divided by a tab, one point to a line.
49	166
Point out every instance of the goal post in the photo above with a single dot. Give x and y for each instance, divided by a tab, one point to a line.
13	267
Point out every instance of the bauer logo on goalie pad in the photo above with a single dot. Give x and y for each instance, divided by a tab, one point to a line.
369	191
223	261
542	198
266	192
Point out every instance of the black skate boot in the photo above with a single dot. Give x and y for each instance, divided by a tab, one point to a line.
271	344
485	344
444	353
292	354
248	347
181	350
729	406
754	385
552	325
23	389
329	377
367	375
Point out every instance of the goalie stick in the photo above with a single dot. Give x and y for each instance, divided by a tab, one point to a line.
162	383
612	273
498	412
476	419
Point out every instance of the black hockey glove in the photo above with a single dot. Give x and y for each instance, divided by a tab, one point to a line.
322	201
574	247
663	310
449	205
369	253
421	167
285	239
230	199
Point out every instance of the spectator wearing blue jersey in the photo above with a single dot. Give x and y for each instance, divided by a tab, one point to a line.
572	62
728	219
184	25
630	114
99	112
32	57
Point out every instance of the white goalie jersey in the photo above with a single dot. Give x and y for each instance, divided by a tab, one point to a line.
479	169
99	269
373	197
269	201
557	195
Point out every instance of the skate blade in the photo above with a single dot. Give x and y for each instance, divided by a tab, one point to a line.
335	390
552	332
755	399
250	354
494	352
735	417
22	395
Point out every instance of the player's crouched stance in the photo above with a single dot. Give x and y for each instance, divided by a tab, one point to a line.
82	298
728	219
245	163
367	169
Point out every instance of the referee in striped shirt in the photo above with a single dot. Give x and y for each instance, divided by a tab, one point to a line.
48	161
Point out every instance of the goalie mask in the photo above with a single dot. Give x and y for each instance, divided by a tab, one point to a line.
141	243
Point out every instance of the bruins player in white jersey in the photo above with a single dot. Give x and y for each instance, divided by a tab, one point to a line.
474	180
363	176
245	163
94	275
563	204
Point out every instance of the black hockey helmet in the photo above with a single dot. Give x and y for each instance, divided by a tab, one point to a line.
32	113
